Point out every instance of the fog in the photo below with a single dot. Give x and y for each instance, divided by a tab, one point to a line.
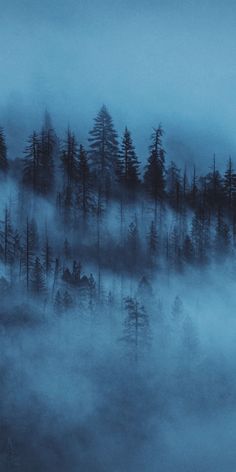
149	61
117	269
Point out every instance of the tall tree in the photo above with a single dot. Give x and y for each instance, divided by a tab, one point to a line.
230	185
174	185
3	153
46	161
30	246
69	158
154	176
153	248
85	185
214	187
136	326
104	151
32	163
38	284
129	165
7	238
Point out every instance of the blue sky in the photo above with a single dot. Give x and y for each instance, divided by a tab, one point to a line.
149	61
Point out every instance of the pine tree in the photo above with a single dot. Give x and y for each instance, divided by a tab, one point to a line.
38	285
173	186
7	238
46	161
104	152
230	185
47	256
69	158
55	275
28	252
222	236
133	245
128	163
152	238
154	176
85	184
136	326
193	191
4	165
214	187
200	235
31	167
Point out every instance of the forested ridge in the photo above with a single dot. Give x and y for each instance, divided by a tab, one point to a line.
113	285
106	212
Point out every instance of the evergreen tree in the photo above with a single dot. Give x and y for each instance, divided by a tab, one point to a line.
133	245
214	187
200	235
46	161
154	176
32	163
136	326
129	165
222	236
3	153
104	152
152	243
69	158
230	185
47	256
193	192
173	185
38	285
7	238
85	184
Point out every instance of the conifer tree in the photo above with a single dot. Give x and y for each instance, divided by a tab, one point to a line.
4	165
154	176
38	284
136	326
69	158
230	185
46	161
47	256
129	165
152	243
173	185
85	183
32	163
104	152
214	187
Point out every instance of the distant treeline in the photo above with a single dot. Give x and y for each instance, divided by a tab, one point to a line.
107	213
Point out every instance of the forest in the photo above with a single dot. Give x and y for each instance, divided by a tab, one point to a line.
109	288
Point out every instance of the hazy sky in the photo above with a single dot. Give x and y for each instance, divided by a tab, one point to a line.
172	61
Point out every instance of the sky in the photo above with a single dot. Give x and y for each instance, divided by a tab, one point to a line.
149	61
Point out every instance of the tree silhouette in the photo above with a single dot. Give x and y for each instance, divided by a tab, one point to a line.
136	326
154	176
104	152
129	165
4	165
